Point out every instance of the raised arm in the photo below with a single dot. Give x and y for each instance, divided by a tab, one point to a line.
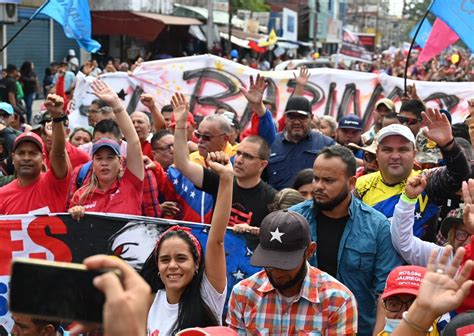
215	253
411	248
158	120
59	161
193	171
134	150
301	81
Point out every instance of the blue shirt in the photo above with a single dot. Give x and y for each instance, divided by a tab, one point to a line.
365	257
288	158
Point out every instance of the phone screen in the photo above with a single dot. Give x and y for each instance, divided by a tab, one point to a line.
55	292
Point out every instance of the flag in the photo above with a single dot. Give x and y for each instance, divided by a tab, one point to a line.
75	17
271	40
459	16
441	37
423	34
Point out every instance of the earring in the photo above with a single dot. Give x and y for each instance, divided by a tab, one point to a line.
159	275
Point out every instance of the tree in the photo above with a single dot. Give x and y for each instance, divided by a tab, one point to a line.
252	5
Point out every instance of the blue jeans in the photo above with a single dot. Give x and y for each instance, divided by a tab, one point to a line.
29	103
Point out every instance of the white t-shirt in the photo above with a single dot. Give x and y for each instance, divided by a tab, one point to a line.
163	315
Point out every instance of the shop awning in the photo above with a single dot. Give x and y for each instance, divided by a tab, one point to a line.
235	40
145	26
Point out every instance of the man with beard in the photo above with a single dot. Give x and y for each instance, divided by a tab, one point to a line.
353	239
289	296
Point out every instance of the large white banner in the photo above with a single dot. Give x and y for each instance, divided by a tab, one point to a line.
210	82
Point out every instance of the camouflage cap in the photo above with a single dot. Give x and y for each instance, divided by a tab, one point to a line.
427	150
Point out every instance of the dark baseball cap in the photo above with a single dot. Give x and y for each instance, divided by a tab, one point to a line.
284	237
350	121
106	142
299	105
454	217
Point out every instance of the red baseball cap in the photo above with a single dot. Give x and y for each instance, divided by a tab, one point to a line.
189	120
404	280
31	137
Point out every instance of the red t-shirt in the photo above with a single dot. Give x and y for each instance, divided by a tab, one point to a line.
124	197
76	156
48	191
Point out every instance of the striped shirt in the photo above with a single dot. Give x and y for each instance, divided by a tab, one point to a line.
324	306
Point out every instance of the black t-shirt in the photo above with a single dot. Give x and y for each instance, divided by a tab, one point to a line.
249	206
329	233
7	84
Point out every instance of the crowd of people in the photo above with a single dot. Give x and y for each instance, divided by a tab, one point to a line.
357	229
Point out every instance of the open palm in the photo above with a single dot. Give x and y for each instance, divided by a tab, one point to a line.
180	107
105	93
438	128
255	93
468	197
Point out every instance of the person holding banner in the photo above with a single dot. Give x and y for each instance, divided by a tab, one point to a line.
34	190
189	294
108	189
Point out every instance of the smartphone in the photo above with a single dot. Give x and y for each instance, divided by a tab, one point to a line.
55	291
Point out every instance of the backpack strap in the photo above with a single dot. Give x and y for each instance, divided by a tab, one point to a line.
81	176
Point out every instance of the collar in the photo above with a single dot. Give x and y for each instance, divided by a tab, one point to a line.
308	289
307	137
350	210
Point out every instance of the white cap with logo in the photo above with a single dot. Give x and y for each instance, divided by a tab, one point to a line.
396	129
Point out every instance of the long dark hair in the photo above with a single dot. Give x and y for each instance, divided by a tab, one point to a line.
193	311
26	68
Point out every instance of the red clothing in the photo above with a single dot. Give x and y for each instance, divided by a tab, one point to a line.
124	197
147	150
76	156
48	191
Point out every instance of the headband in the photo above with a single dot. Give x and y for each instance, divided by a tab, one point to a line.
186	230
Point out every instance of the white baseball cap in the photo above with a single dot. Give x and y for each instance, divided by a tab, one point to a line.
396	129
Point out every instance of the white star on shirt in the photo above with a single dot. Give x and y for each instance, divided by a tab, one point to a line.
238	275
175	181
276	235
192	194
418	215
185	189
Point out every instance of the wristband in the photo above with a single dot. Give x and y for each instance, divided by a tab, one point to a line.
414	326
407	199
447	145
60	119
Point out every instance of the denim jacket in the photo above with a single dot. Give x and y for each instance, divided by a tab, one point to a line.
365	257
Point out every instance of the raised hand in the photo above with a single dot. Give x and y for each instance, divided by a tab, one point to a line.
415	186
147	100
220	163
256	89
55	105
180	108
443	288
412	94
468	197
303	76
105	93
438	128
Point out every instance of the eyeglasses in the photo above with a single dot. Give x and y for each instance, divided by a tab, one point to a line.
206	137
295	116
166	148
461	235
395	305
93	111
369	157
247	156
408	121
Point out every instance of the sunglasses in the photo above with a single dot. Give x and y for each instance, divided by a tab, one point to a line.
369	157
206	137
297	116
408	121
247	156
163	149
395	305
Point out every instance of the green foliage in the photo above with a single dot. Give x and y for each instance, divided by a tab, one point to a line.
413	12
253	5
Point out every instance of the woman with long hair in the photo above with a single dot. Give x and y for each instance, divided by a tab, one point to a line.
109	187
29	81
190	285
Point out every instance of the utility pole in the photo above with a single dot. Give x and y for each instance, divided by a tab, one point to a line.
210	25
230	26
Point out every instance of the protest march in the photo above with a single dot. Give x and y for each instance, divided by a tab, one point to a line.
247	179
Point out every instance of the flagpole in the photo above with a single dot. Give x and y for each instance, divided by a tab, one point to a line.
407	63
24	26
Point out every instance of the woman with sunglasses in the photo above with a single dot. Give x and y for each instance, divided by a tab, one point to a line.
457	226
189	294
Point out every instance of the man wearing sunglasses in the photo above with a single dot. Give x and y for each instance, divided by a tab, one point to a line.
410	115
296	147
396	156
